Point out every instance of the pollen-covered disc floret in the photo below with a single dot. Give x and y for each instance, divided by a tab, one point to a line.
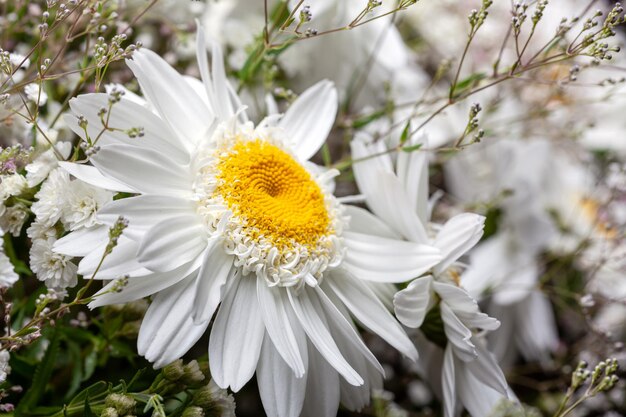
278	218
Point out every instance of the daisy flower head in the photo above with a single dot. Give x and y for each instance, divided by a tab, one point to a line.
454	355
230	221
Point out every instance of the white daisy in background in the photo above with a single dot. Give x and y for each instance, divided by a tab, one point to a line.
377	54
231	221
509	272
466	370
524	179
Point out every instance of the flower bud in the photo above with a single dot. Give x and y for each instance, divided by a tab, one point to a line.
193	412
174	371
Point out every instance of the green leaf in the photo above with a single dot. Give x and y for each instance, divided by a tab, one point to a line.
41	377
468	83
87	411
405	133
492	219
365	120
411	148
326	155
73	349
433	327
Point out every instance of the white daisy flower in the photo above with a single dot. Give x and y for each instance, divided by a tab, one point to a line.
8	277
231	221
405	207
55	269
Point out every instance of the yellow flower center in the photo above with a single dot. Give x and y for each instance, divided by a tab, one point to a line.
272	193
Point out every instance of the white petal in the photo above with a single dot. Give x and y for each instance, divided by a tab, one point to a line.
273	304
369	160
352	397
412	303
465	307
448	383
144	170
387	260
173	98
413	174
343	329
308	310
458	335
457	236
125	115
363	221
121	261
91	175
384	292
167	331
216	269
479	399
82	241
365	306
322	388
310	118
203	65
282	393
142	286
172	243
224	108
485	369
144	212
237	336
488	266
519	283
537	334
393	205
385	194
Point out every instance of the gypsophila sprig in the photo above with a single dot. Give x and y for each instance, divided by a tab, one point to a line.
601	379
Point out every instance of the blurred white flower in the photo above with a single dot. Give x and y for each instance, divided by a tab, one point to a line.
56	270
36	94
520	178
8	276
361	61
38	170
5	369
507	270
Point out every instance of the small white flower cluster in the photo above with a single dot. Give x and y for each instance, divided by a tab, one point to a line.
8	276
5	369
72	204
